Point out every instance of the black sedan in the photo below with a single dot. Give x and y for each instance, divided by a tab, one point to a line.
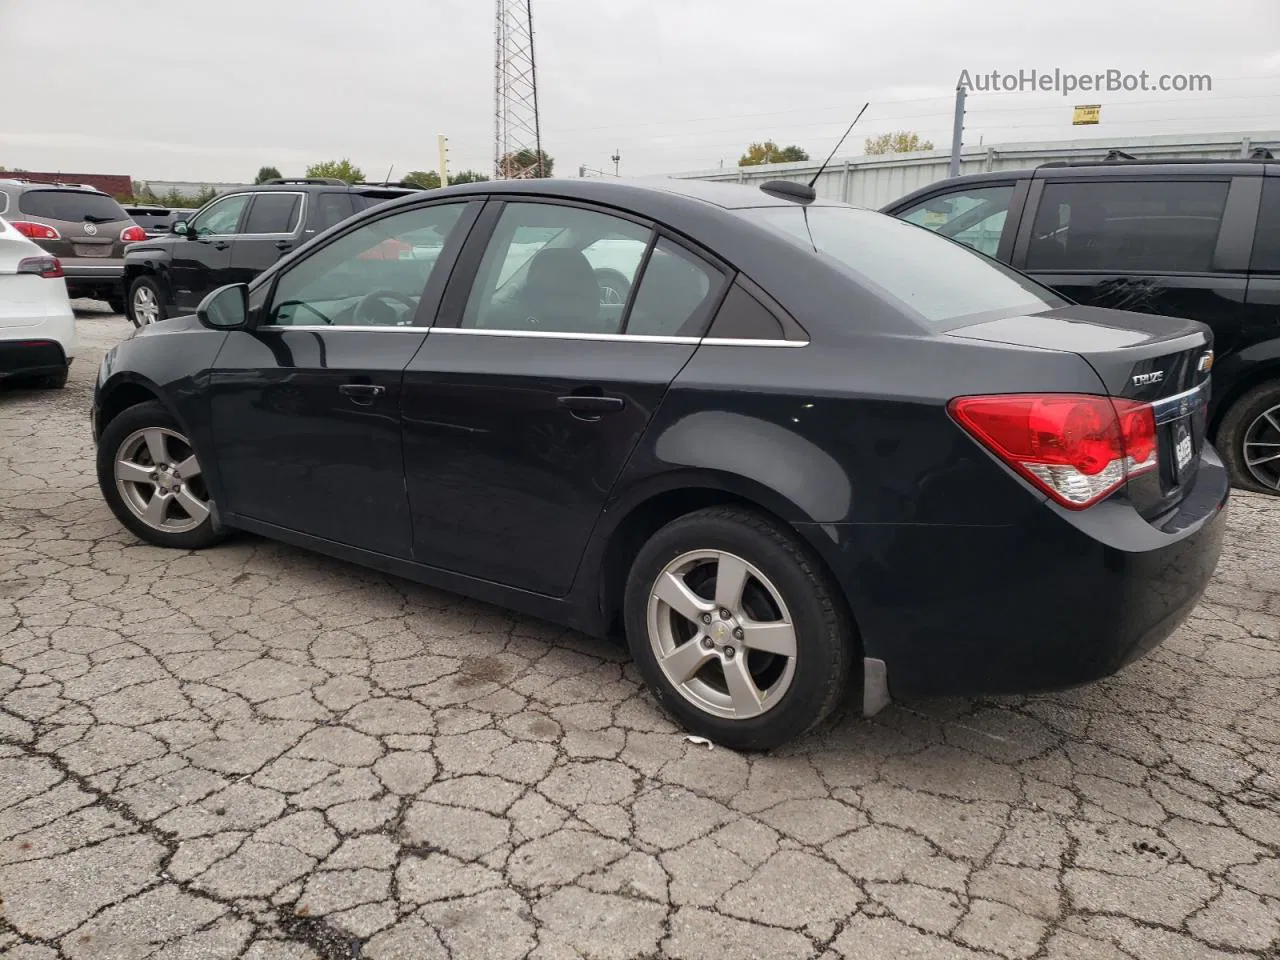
790	447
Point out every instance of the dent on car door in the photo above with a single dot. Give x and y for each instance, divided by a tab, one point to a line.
977	216
306	405
529	396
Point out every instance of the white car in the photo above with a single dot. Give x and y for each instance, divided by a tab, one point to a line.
37	326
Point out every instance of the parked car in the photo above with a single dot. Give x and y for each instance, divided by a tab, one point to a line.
815	446
155	219
37	326
236	236
84	228
1183	239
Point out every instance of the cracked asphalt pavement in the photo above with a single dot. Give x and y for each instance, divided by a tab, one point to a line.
261	753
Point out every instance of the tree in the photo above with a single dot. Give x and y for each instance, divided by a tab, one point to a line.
427	179
338	169
474	176
526	165
265	174
904	141
770	152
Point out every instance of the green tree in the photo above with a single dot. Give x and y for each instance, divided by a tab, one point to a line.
903	141
770	152
266	173
468	176
339	169
427	179
526	165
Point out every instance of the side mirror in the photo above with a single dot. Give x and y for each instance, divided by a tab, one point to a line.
226	308
181	228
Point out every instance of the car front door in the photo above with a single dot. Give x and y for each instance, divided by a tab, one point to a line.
976	215
1176	246
271	229
203	262
535	385
305	406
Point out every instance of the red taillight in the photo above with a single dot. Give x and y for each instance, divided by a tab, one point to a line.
133	234
48	267
1076	448
35	231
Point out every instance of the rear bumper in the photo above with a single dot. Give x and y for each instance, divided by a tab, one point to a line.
1061	600
34	357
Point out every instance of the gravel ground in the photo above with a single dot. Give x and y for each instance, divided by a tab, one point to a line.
258	752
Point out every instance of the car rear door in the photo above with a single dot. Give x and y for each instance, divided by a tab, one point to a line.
305	407
203	263
1171	244
532	390
272	228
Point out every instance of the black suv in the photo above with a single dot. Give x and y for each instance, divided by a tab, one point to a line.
1196	239
234	237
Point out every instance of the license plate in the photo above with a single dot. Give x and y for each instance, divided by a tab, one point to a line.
92	249
1182	452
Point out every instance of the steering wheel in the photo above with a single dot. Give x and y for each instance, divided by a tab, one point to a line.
362	316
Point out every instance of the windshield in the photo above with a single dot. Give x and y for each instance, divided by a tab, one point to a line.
938	280
71	205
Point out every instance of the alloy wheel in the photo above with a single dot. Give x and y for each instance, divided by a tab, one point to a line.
722	634
159	480
1262	448
146	308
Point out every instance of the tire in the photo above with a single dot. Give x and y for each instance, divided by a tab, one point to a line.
1247	422
130	438
52	381
143	291
799	691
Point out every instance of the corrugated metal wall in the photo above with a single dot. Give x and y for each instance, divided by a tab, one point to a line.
876	180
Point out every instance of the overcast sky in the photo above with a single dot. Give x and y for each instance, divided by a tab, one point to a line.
197	90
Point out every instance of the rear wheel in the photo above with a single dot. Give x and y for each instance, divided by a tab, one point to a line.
52	381
1249	439
736	630
151	479
146	302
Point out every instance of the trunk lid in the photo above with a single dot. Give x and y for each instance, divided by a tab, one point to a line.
1164	361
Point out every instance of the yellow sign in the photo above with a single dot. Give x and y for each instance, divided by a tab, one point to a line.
1086	114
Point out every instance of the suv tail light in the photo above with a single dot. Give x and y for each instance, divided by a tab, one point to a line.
133	234
48	267
35	231
1077	448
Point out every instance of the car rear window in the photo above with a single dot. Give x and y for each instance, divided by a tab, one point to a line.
938	280
71	205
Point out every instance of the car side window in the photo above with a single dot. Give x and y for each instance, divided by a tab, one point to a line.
974	217
273	213
557	269
221	217
331	208
1154	226
4	202
373	276
1266	242
676	294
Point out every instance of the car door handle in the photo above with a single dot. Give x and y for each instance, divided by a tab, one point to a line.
362	393
588	406
284	245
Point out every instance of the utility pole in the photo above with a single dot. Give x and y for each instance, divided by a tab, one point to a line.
957	134
441	142
617	159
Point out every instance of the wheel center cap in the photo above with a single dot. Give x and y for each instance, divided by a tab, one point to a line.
720	631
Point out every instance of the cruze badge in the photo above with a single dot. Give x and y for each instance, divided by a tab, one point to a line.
1146	379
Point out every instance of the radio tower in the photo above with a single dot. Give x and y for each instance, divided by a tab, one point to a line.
517	142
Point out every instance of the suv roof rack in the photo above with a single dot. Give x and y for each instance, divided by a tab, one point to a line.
321	181
398	184
1259	154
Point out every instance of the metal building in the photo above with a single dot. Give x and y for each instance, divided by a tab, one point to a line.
873	181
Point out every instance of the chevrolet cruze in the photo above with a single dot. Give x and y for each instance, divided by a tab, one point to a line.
792	449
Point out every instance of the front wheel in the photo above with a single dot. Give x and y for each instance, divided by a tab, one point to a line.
736	630
146	302
1249	439
151	479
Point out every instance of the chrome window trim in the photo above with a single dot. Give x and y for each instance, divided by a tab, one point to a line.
4	202
302	215
539	335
